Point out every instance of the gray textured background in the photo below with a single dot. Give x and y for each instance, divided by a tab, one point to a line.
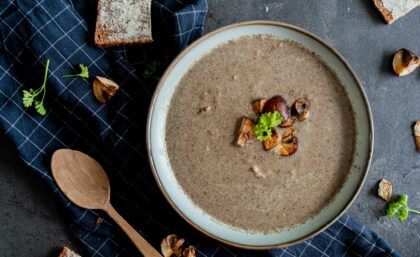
33	224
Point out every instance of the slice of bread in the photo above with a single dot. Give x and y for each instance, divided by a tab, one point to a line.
123	22
66	252
392	10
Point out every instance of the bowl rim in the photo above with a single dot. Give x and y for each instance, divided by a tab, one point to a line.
205	37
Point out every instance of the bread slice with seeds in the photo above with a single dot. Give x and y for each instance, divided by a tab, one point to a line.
123	22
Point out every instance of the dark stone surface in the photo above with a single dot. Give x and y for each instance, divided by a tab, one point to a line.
32	223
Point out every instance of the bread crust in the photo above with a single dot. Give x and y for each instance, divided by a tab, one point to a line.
386	14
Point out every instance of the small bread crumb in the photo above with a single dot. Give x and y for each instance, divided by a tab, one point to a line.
99	221
66	252
385	189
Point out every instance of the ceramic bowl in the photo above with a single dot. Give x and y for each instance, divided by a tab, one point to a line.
179	199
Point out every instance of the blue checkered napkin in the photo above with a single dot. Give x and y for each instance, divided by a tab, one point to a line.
62	31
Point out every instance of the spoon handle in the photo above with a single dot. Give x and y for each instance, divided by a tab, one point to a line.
144	247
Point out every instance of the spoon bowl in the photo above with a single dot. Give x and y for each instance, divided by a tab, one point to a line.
81	178
85	183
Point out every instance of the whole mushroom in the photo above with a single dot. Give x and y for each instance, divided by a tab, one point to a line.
104	89
189	252
405	62
278	104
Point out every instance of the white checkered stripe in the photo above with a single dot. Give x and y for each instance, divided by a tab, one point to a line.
62	31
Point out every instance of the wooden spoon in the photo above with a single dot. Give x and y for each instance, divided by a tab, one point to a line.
85	183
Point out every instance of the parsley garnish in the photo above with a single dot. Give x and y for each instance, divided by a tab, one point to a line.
150	70
30	96
400	208
84	72
265	124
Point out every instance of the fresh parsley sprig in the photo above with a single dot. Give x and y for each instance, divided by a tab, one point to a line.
151	70
84	72
400	207
266	122
30	97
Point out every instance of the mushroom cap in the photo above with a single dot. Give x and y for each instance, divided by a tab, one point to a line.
278	104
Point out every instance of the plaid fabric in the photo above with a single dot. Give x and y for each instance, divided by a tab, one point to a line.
62	30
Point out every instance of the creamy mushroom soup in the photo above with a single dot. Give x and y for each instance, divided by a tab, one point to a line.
224	179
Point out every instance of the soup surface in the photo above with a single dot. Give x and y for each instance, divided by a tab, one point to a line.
203	123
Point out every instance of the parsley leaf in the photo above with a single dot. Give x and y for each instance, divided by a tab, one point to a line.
30	96
39	107
266	122
151	70
84	72
403	214
400	207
